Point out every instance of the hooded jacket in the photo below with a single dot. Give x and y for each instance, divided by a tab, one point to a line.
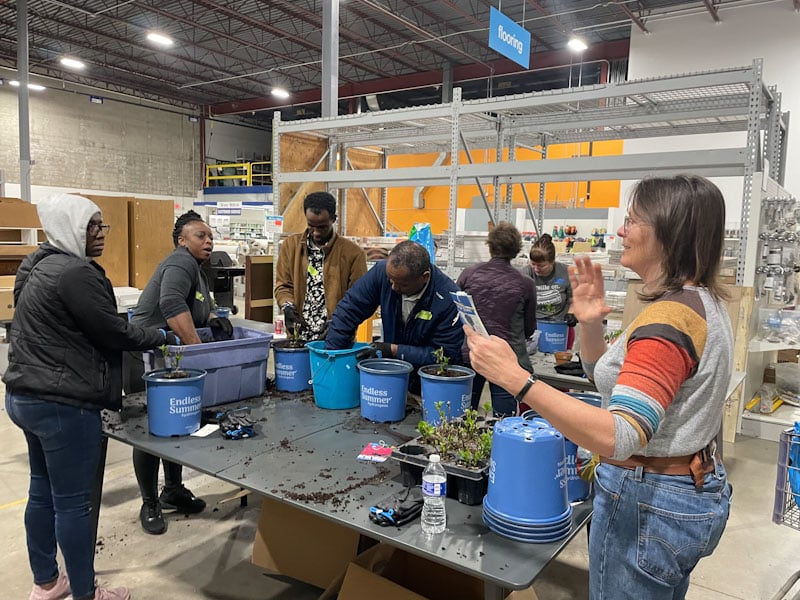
66	336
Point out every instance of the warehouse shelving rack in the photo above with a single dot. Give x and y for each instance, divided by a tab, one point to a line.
719	101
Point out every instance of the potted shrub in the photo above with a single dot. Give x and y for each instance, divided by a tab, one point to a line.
174	396
451	385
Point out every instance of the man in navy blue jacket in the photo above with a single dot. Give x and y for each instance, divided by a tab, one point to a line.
417	313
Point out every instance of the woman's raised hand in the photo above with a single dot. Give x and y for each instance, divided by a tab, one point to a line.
588	291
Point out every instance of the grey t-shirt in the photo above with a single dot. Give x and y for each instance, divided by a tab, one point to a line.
167	294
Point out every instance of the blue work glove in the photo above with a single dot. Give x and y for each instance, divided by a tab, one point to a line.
221	328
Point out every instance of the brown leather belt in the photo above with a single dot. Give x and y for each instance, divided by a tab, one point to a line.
697	465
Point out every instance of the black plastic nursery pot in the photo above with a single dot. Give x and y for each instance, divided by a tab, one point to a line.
467	485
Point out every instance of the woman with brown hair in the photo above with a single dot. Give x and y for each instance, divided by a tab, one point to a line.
661	493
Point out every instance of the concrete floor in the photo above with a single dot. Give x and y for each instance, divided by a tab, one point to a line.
208	556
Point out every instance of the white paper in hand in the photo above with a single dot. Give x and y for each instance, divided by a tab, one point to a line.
468	312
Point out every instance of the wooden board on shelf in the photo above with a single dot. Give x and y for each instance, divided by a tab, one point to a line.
150	225
18	214
115	255
258	288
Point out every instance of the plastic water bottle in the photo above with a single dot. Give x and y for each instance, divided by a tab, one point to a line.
434	490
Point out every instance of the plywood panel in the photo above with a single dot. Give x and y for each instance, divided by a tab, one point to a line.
115	255
150	224
18	213
360	219
299	153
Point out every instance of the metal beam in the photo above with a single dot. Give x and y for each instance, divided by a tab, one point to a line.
427	35
610	51
330	58
728	162
632	17
25	162
712	10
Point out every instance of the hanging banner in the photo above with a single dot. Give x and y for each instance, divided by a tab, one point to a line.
509	39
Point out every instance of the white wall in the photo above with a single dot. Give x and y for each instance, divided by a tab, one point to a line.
770	31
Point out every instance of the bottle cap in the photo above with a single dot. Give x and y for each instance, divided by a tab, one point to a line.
434	458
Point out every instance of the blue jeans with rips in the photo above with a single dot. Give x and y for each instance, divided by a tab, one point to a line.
649	531
64	445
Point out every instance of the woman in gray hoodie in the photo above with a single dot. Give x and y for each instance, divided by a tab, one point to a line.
64	366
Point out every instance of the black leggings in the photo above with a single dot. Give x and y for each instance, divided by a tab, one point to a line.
146	468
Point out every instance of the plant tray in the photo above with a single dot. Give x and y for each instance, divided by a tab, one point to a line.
467	485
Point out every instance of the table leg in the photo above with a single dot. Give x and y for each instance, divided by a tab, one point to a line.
97	490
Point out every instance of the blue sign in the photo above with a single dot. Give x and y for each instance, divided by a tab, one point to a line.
509	39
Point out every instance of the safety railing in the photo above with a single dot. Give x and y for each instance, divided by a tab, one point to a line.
245	173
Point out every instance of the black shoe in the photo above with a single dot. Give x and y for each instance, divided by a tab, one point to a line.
152	518
181	500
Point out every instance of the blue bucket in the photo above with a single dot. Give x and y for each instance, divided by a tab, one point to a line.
334	375
553	337
174	405
455	393
527	474
577	488
384	385
292	369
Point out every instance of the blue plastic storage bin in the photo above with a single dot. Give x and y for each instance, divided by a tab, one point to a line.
237	368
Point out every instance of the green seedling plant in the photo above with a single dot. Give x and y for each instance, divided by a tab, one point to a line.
172	359
442	361
465	441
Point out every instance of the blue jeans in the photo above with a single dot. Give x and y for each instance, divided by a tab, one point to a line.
64	444
649	531
503	403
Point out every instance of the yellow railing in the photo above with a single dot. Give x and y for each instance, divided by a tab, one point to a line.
244	172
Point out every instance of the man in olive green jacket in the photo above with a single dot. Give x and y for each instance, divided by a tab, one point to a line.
315	269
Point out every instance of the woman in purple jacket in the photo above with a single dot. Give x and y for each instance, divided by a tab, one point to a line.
506	303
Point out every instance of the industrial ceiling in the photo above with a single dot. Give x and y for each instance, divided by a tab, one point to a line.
228	56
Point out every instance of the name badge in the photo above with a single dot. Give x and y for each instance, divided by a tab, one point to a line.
424	315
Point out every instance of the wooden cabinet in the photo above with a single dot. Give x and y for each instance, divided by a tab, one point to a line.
259	277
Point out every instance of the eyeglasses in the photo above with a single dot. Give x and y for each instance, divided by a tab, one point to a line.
95	228
626	224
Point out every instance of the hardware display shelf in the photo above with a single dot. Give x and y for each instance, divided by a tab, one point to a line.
760	352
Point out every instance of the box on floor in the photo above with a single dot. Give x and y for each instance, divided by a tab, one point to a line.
301	545
389	573
309	548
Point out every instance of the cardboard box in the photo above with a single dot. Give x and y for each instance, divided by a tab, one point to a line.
388	573
296	543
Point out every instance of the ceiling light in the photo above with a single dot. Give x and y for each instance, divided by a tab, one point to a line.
160	39
576	44
72	63
280	93
31	86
